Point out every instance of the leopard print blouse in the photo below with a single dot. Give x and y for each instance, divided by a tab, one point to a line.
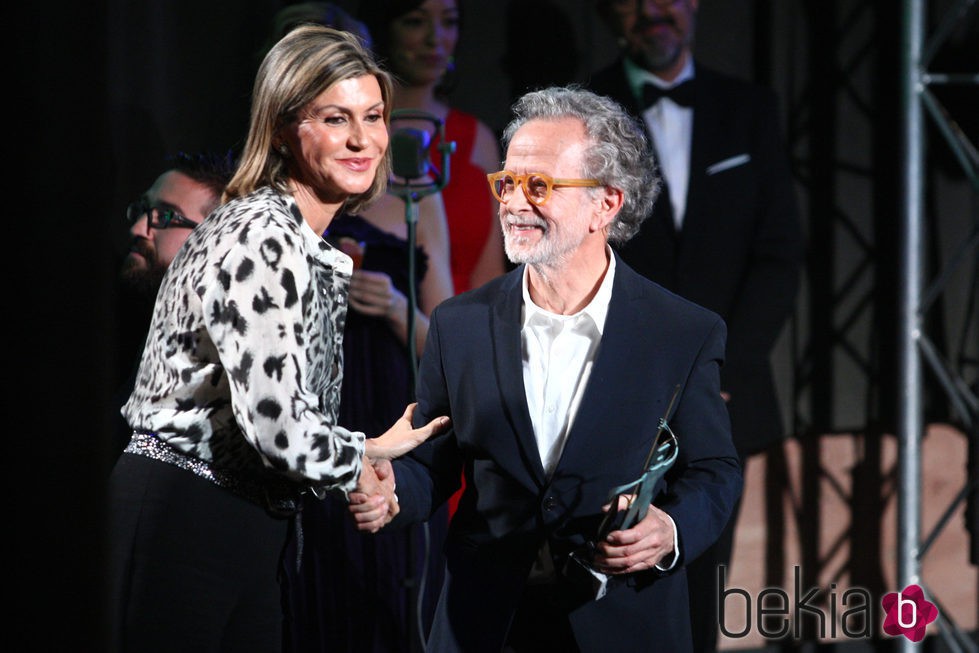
243	361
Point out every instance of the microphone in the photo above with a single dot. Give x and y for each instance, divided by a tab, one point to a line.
409	161
410	147
409	153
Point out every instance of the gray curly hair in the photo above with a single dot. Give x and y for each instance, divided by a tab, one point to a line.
619	155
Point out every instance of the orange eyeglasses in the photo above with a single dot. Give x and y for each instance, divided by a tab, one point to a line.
537	186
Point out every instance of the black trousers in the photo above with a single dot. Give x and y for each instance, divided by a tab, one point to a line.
192	566
541	624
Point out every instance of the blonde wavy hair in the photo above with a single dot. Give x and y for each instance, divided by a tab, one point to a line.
304	63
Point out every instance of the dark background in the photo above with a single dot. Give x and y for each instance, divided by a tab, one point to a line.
100	93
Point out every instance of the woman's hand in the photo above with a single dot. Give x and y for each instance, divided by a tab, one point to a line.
401	437
373	504
373	293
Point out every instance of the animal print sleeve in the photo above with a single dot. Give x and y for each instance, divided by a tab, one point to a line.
261	314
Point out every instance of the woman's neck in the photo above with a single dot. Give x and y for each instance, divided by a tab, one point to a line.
318	212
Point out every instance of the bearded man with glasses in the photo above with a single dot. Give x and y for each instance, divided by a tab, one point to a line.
556	376
162	218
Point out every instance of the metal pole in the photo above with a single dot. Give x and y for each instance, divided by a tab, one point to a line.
910	413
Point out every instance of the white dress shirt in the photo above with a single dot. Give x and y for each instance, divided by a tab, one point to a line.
672	128
558	353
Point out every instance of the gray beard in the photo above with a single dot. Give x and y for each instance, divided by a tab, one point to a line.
656	62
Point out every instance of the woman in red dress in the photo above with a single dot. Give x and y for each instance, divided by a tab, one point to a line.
416	40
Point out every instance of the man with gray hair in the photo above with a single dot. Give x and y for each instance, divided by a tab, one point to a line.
556	376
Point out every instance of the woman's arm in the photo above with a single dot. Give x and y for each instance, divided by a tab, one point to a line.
436	286
250	309
433	237
486	155
373	293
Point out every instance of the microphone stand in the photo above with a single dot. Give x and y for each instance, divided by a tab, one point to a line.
412	192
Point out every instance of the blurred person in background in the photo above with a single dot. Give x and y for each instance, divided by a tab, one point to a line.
726	232
416	41
160	220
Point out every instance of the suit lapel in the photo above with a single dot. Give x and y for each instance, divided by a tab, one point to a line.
613	378
663	208
509	359
706	118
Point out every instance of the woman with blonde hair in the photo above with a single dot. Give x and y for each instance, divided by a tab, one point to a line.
234	408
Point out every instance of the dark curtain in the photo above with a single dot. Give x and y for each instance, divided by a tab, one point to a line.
105	92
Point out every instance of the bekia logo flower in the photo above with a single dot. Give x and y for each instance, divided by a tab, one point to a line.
908	613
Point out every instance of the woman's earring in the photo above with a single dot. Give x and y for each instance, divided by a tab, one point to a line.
283	150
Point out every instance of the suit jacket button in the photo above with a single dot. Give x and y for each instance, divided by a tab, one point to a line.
549	503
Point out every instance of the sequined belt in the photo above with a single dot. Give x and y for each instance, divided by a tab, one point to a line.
279	496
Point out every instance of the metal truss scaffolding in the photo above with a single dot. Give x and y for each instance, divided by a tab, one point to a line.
917	349
882	344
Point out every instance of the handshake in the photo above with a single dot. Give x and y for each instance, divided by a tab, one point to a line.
373	503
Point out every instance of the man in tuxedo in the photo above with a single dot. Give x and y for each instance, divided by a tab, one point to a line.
556	376
725	235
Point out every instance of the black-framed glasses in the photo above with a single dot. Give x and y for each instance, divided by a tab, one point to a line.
537	186
157	216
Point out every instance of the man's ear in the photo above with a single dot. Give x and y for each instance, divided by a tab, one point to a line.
608	204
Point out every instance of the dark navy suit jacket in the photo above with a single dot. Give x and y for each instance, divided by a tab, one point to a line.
471	370
740	249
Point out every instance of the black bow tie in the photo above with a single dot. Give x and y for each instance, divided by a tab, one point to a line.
682	94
